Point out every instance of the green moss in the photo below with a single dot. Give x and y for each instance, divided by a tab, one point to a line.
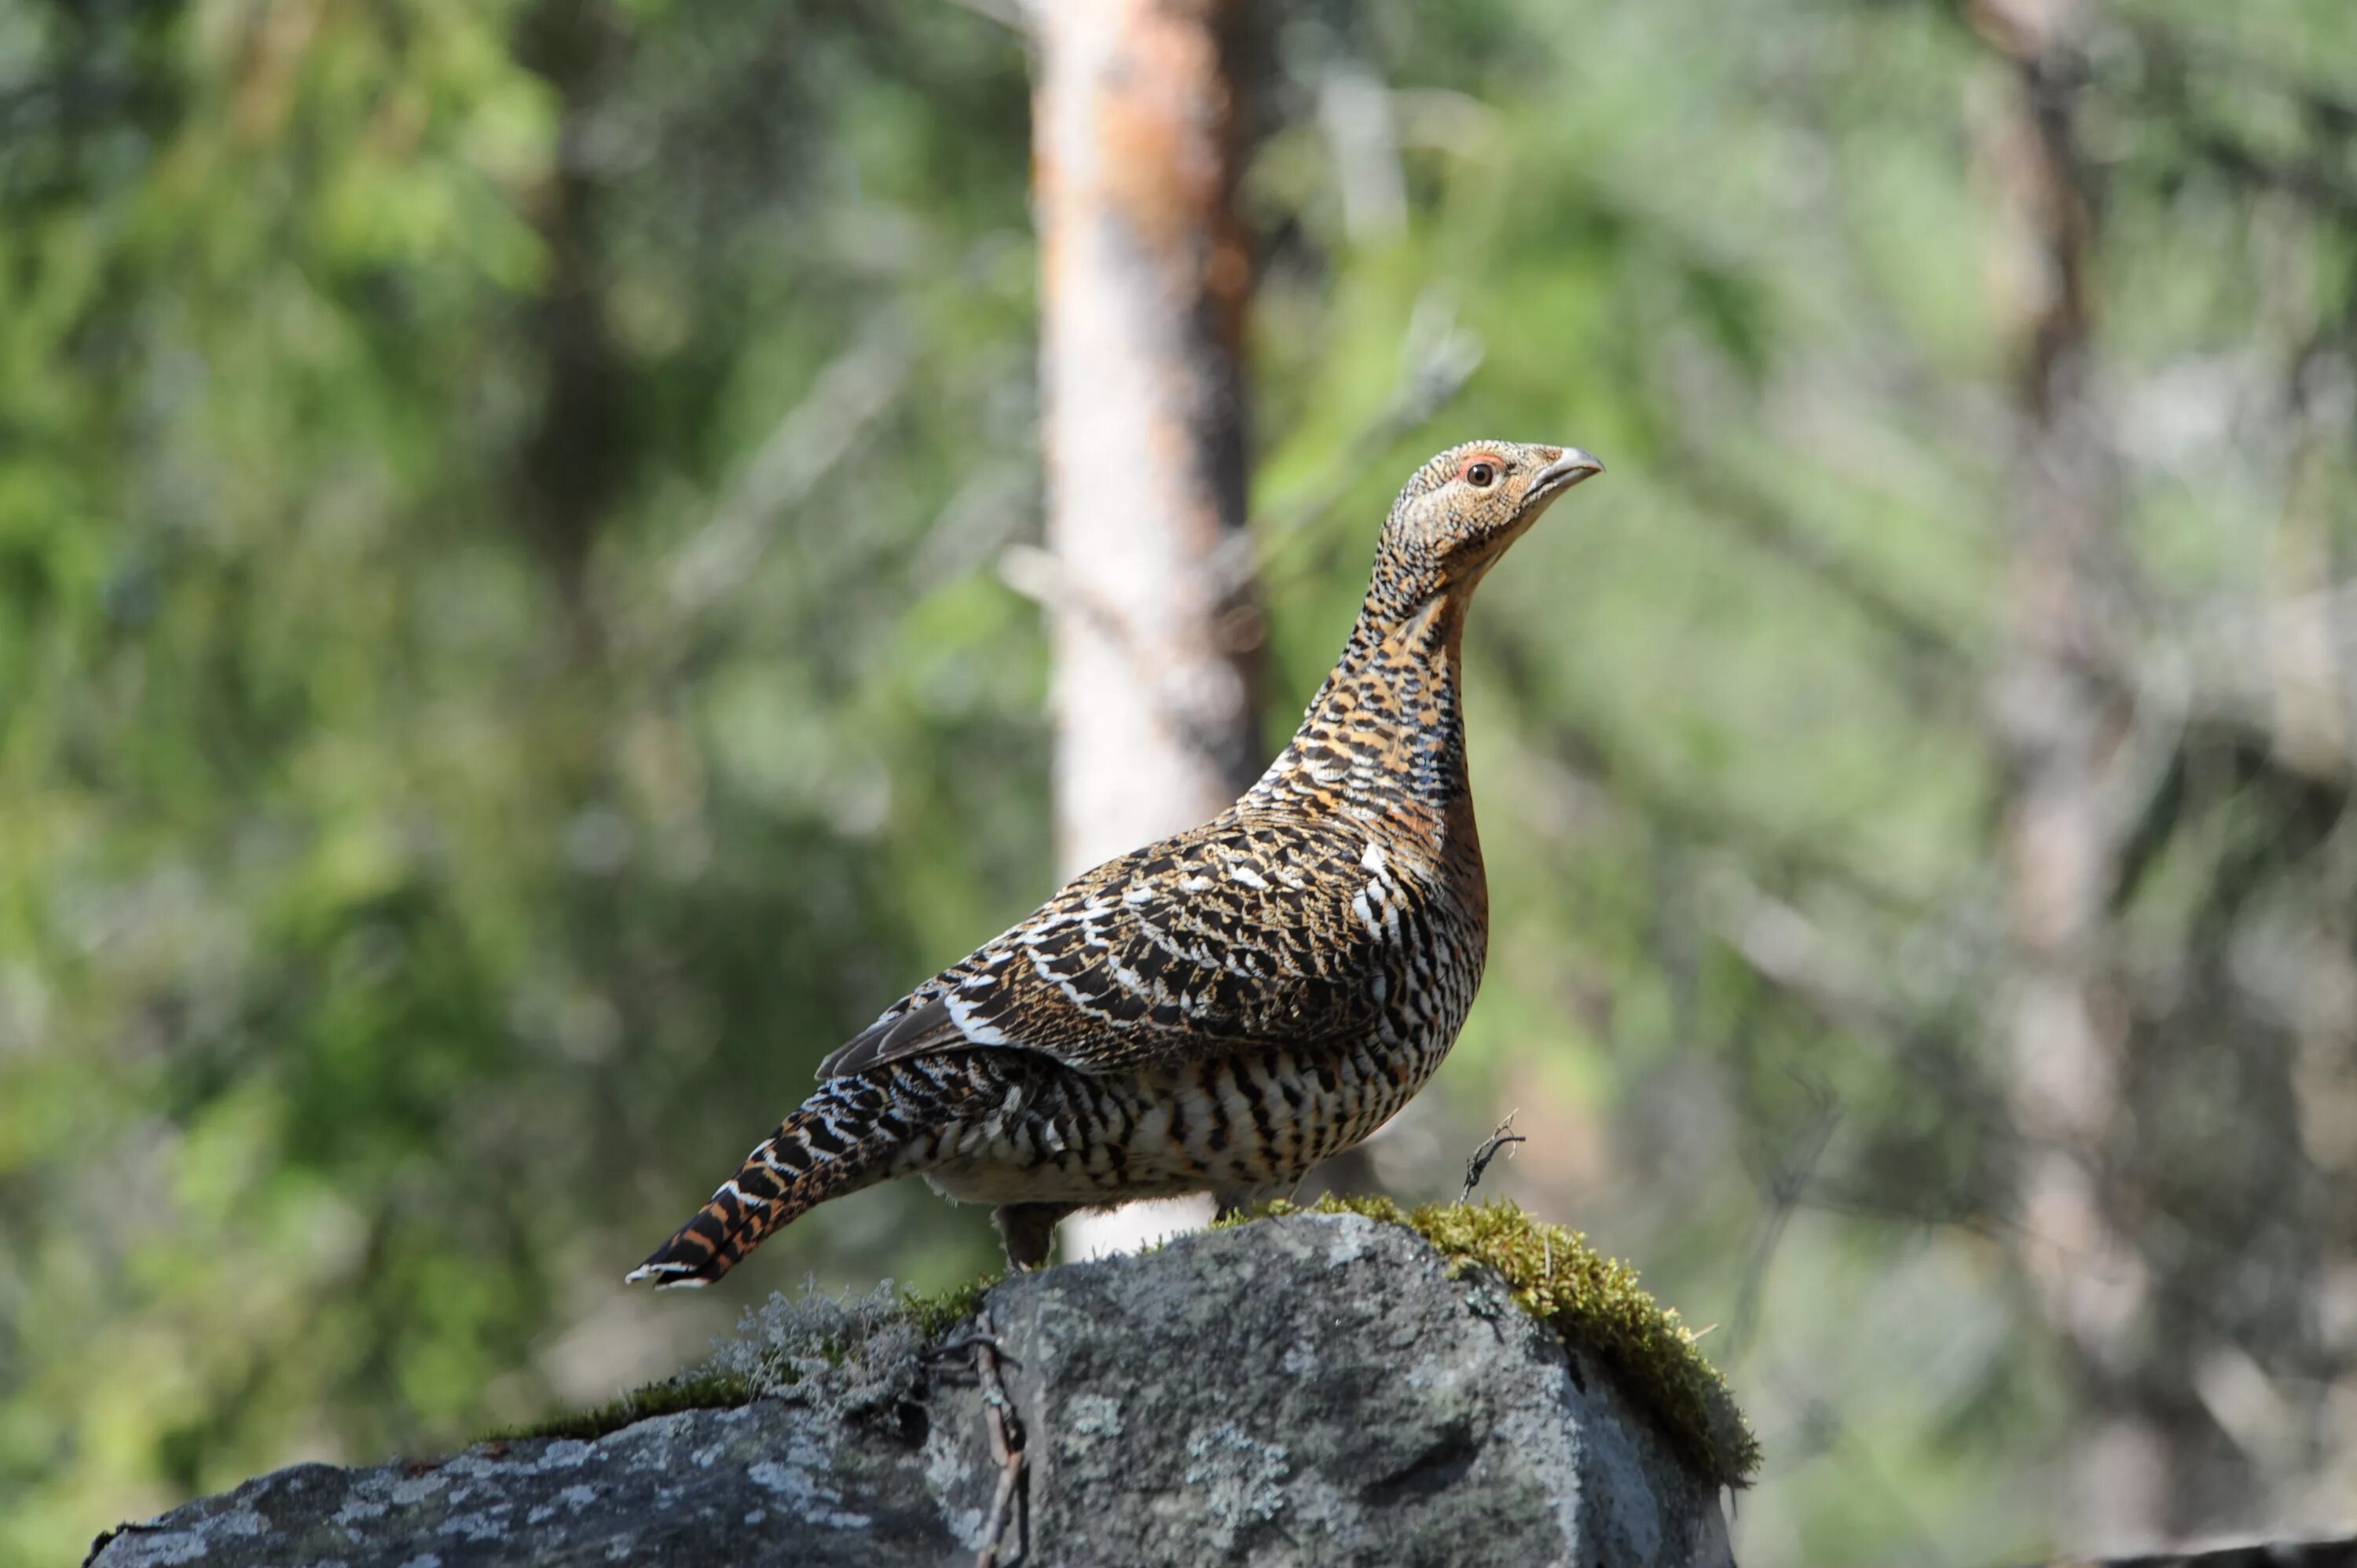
689	1391
1590	1301
1551	1272
935	1312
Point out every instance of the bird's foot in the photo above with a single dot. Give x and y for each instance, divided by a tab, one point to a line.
1028	1231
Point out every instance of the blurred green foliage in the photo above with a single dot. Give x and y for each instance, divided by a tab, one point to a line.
503	666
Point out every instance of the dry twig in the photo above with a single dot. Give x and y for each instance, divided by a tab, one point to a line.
1478	1165
1005	1447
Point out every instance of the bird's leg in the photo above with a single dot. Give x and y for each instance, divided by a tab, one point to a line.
1028	1229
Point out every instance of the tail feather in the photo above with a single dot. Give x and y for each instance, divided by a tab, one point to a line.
843	1138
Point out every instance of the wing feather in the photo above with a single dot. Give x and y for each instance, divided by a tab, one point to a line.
1245	934
925	1028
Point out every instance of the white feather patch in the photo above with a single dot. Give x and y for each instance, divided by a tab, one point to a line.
960	1013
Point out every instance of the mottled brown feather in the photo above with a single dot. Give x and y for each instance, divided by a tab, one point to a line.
1227	1007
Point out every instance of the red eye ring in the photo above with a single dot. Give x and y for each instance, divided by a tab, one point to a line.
1481	473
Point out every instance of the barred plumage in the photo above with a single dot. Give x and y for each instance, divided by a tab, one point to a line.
1220	1010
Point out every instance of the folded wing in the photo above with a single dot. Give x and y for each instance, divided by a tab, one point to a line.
1246	934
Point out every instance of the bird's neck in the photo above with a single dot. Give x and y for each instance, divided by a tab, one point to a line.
1384	738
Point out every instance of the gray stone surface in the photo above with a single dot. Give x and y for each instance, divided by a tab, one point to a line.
1306	1390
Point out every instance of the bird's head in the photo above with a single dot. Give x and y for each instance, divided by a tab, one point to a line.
1458	514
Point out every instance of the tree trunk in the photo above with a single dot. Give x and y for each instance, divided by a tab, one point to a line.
572	466
2059	723
1137	130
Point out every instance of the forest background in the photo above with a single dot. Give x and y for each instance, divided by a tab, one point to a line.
522	568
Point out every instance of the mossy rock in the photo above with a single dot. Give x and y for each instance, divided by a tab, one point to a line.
850	1353
1330	1383
864	1349
1590	1301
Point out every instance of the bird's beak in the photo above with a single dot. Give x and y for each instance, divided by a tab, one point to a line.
1565	471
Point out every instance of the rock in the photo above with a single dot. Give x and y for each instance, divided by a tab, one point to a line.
2339	1553
1309	1390
763	1484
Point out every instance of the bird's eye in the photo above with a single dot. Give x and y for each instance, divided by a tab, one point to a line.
1482	475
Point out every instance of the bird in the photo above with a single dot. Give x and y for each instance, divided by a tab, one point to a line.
1224	1008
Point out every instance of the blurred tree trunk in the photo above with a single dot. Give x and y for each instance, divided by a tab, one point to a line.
570	468
2062	721
1138	131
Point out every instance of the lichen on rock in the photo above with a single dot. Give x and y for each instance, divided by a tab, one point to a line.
1592	1300
1325	1388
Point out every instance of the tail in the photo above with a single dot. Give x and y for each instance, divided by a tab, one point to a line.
845	1137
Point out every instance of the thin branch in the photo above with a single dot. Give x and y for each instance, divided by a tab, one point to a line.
1478	1165
2308	180
848	395
1787	1190
1438	359
1005	1447
1040	576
